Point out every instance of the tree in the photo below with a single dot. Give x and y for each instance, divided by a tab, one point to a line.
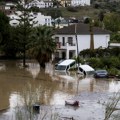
26	21
4	32
112	22
56	3
4	26
54	13
101	16
42	45
11	46
115	37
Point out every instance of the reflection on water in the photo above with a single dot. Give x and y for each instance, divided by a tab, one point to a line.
15	100
34	69
54	87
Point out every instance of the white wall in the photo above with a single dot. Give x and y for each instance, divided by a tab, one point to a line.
41	19
84	41
36	3
39	4
99	41
80	2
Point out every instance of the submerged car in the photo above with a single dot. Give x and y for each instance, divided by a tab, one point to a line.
65	65
86	69
101	74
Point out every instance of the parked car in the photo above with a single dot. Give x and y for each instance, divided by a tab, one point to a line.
101	74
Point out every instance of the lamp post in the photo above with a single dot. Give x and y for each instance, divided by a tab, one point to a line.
77	45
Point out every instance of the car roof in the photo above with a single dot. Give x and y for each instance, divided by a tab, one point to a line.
67	62
86	68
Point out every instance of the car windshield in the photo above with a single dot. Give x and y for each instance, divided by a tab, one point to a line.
60	67
101	71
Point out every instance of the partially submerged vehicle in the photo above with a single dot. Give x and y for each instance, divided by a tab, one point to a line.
66	65
101	74
72	103
86	69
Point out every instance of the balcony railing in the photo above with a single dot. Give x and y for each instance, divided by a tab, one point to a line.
66	46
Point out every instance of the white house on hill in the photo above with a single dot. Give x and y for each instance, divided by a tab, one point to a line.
40	4
80	2
67	42
9	5
39	18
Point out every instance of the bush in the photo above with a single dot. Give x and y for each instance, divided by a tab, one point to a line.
100	52
72	9
95	62
113	71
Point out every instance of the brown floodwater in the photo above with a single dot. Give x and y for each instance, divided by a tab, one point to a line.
52	89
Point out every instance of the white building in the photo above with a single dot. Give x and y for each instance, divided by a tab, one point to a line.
80	2
9	5
42	20
39	18
66	39
40	4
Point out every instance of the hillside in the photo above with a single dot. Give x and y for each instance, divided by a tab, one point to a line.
92	11
80	12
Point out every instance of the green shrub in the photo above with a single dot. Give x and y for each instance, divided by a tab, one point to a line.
95	62
115	61
113	71
79	59
72	9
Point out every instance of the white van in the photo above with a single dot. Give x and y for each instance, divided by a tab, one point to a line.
86	69
65	65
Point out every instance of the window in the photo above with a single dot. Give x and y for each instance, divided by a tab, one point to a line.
72	64
58	44
57	54
63	41
61	67
45	20
56	39
70	40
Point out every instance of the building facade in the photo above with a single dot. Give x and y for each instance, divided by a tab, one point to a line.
68	39
39	19
40	4
80	2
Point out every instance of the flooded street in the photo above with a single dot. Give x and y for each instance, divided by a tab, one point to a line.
52	89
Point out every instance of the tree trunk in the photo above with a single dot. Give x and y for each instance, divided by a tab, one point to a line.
42	65
24	58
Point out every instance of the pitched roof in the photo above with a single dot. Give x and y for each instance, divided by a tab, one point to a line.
81	29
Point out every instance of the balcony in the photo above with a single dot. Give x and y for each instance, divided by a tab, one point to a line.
66	46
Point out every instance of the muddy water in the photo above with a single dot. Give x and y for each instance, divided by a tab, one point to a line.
55	88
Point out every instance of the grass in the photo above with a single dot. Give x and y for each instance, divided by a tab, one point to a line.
81	12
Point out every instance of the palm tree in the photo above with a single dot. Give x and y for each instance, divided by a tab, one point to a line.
42	44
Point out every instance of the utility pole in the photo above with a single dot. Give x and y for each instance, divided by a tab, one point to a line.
91	36
77	45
